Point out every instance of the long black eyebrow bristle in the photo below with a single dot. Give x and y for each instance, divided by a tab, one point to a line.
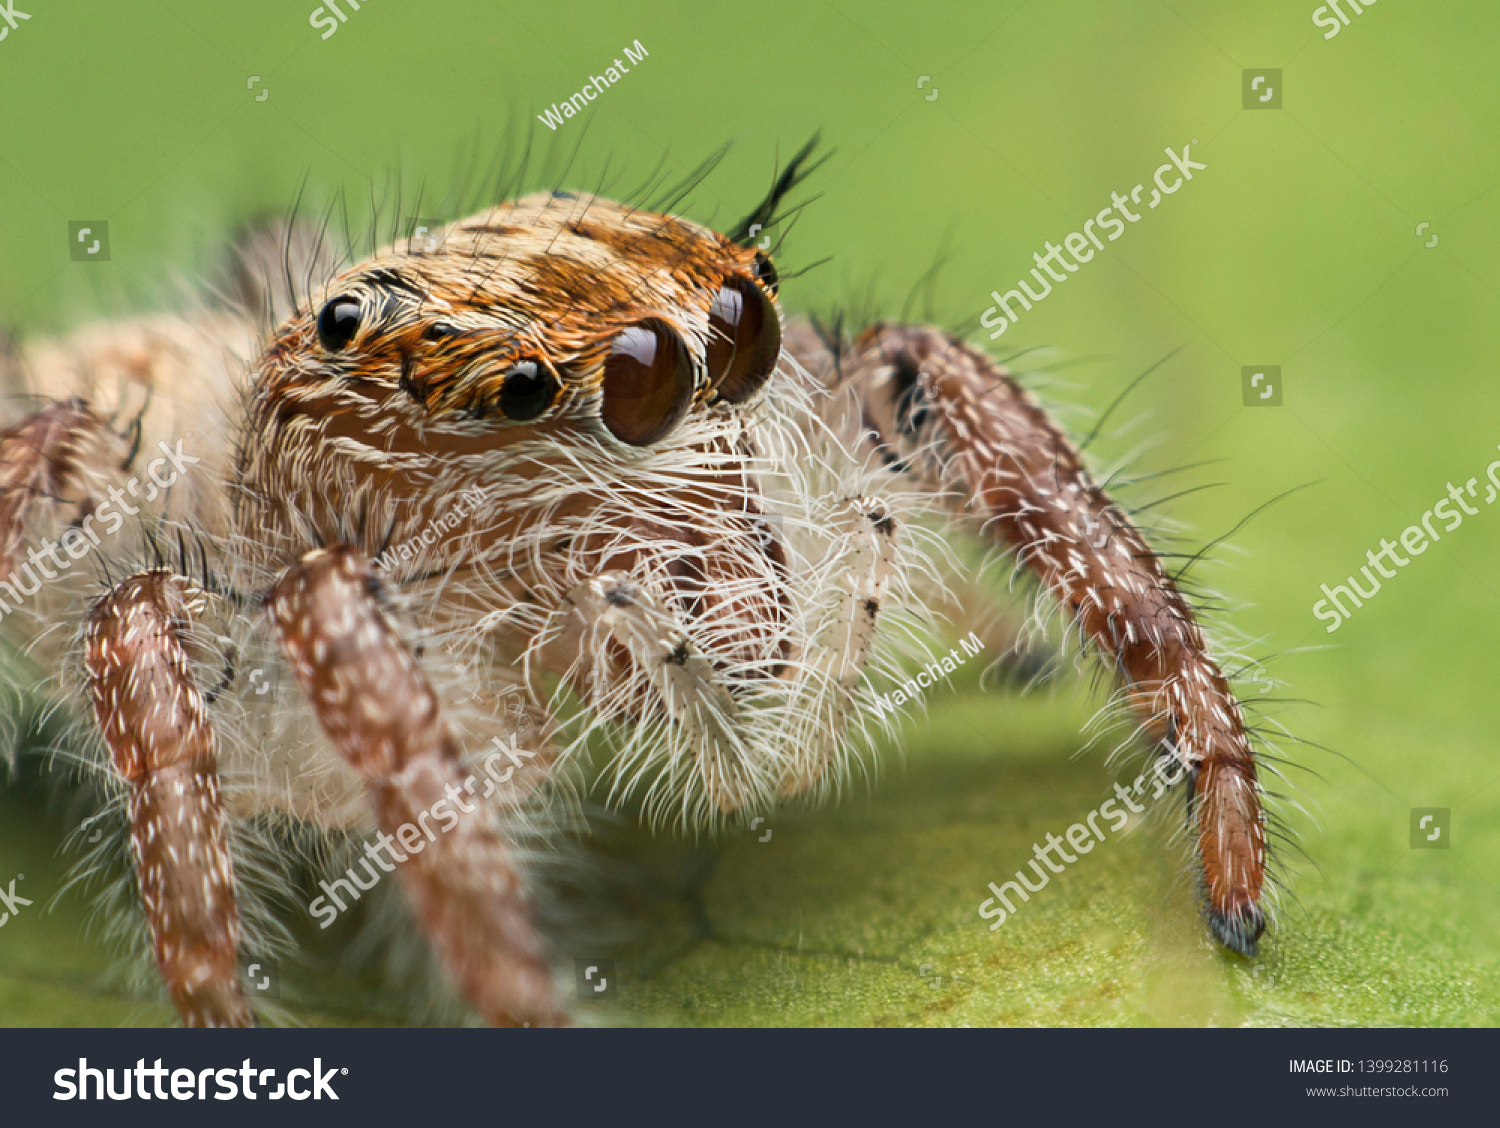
797	170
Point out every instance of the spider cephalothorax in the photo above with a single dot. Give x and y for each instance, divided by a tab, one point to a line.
569	455
599	381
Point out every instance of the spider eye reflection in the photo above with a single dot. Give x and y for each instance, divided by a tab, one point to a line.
337	323
527	391
744	340
648	383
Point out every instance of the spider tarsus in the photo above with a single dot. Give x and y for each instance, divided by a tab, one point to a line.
1238	929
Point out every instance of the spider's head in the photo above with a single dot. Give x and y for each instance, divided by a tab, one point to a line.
573	425
553	316
597	372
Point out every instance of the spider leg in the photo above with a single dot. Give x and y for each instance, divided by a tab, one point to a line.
156	725
39	461
382	714
944	412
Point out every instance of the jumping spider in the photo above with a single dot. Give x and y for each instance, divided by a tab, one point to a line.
688	525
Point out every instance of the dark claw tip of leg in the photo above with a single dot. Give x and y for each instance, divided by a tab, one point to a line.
1238	929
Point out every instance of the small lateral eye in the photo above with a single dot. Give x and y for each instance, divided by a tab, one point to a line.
744	340
527	391
648	383
337	323
765	271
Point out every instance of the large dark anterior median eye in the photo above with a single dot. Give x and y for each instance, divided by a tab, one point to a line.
338	323
744	340
648	383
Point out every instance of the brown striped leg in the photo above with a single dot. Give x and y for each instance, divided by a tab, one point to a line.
38	459
963	426
382	714
156	725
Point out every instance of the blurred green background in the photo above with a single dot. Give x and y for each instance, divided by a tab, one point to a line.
1296	247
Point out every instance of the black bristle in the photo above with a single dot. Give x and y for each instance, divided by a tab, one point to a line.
797	170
